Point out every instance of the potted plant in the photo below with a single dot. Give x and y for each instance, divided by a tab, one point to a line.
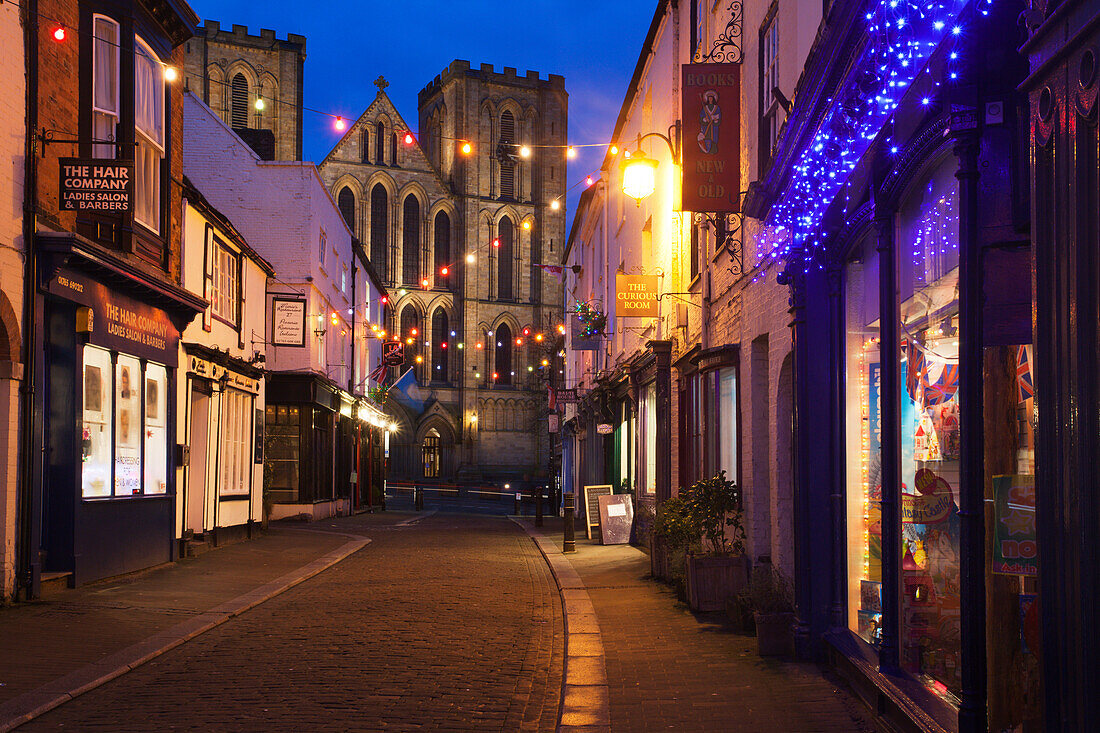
772	602
672	531
716	566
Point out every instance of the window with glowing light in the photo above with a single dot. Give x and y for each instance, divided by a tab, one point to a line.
149	129
928	299
862	439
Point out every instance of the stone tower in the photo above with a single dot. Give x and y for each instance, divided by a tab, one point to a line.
230	70
458	221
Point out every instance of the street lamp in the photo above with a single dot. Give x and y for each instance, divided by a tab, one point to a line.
640	172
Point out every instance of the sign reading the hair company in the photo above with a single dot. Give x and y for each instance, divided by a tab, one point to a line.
635	296
711	137
100	185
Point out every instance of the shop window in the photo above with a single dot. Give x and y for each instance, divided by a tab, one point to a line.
105	82
236	436
862	436
96	437
225	287
149	126
649	437
928	299
127	426
728	448
282	444
156	429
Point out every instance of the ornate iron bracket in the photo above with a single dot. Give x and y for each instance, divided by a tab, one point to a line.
729	233
728	47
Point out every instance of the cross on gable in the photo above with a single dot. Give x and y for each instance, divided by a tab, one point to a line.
381	83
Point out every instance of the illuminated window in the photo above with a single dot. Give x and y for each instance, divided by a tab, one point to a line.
225	287
236	437
149	129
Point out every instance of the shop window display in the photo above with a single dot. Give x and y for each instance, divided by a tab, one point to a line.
928	297
96	438
863	434
127	426
156	430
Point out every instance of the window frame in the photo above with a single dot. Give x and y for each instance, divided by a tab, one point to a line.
226	270
116	114
769	71
157	147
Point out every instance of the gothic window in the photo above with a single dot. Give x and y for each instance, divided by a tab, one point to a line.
503	353
440	344
364	144
346	201
410	247
379	227
506	154
410	330
442	248
239	97
505	234
379	144
393	149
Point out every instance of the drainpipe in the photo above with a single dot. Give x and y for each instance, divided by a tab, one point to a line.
28	571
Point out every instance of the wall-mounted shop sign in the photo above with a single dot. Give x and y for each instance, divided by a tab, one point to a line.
103	186
119	322
636	296
711	137
288	322
209	369
605	428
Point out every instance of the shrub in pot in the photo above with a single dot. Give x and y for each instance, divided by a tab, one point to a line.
673	530
772	602
716	566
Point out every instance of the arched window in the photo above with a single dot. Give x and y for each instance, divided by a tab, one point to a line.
506	234
507	159
410	329
441	337
410	247
364	144
502	341
393	149
346	201
442	248
379	227
239	101
379	143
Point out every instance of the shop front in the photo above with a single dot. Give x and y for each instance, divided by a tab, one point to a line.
107	391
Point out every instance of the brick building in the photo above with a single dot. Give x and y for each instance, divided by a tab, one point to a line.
457	220
254	83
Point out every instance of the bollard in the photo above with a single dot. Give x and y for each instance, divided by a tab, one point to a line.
538	506
569	542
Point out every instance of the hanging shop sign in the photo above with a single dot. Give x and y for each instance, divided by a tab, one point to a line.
566	395
393	353
605	428
288	322
119	322
96	185
636	296
711	137
553	422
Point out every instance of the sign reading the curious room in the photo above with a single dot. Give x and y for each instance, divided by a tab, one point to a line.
635	296
711	137
99	185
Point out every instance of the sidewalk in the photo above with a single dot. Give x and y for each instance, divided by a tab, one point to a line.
670	669
54	649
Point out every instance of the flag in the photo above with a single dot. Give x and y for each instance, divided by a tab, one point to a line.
406	391
916	371
556	270
1023	373
379	373
944	388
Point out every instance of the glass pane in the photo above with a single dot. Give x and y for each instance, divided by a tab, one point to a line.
156	429
127	426
105	62
727	422
651	438
147	184
95	471
863	448
928	280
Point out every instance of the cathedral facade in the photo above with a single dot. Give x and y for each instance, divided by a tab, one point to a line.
458	212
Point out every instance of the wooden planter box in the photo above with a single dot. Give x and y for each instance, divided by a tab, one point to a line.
774	637
713	580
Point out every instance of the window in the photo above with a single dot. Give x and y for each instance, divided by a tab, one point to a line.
379	143
393	149
649	427
282	444
364	144
506	151
410	335
379	229
442	247
322	248
769	79
126	455
236	437
698	24
430	454
238	114
728	448
149	126
345	200
105	80
225	287
440	336
503	354
343	278
505	235
693	255
410	247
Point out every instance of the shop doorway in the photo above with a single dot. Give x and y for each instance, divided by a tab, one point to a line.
196	467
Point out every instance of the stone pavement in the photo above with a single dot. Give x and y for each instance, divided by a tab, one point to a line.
669	669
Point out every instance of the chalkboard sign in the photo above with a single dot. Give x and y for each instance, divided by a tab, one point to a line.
592	496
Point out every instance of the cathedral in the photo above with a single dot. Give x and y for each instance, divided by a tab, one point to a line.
461	214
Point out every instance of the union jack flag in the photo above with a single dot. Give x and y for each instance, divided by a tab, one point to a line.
1023	373
944	388
379	373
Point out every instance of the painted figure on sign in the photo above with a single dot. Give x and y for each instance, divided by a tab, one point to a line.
710	117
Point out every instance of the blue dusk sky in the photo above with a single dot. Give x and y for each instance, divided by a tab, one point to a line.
594	45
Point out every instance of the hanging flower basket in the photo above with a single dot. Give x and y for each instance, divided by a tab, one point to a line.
378	395
594	320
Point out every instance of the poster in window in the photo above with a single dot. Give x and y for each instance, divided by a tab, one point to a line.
124	383
93	389
152	401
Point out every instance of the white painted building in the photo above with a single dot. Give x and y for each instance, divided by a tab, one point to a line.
220	382
321	434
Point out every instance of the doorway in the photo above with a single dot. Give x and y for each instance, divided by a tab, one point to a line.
196	467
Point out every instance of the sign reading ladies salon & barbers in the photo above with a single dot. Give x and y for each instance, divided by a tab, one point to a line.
97	185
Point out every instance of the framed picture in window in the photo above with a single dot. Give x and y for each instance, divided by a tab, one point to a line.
152	401
93	390
124	383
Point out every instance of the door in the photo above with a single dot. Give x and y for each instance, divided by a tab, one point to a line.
196	467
